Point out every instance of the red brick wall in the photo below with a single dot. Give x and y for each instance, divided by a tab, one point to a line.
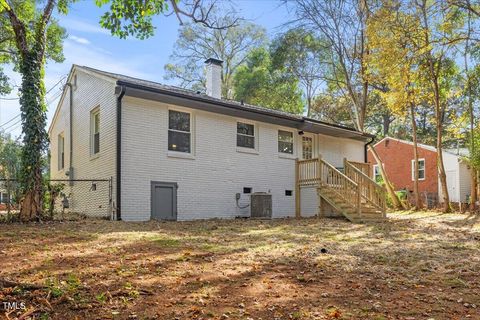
397	157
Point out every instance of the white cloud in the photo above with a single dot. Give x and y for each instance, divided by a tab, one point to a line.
79	40
83	26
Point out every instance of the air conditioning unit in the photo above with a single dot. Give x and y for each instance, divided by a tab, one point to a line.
261	205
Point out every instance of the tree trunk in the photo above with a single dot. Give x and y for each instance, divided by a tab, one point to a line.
473	190
441	170
386	123
35	139
418	201
397	204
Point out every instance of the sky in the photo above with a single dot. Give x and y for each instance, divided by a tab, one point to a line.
90	45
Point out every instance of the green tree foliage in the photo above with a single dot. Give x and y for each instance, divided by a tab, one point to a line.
475	153
304	56
126	18
196	43
10	151
258	82
5	87
10	166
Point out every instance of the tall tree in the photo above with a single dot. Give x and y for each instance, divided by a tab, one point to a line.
470	100
393	62
342	23
258	82
439	25
34	37
303	55
196	43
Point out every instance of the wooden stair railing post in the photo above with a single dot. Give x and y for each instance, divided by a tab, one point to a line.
321	202
297	189
359	199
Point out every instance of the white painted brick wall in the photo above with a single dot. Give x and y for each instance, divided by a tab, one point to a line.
91	92
208	183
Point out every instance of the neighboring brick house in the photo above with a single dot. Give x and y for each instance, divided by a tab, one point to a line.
180	154
398	159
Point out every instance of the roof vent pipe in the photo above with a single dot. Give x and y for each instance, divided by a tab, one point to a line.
214	78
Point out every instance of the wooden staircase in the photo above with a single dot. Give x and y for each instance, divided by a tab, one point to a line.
351	193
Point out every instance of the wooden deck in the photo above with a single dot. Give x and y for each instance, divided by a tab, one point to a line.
352	192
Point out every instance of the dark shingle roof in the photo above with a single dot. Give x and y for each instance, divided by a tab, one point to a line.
123	79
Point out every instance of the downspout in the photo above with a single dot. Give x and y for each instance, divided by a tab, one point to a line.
70	136
366	148
120	95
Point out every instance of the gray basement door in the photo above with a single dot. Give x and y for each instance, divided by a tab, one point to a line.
164	201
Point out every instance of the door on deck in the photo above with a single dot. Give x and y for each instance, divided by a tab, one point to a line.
308	145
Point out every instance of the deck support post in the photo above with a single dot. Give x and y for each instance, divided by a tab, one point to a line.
321	207
297	190
321	202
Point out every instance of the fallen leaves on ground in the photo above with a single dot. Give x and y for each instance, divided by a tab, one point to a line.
416	266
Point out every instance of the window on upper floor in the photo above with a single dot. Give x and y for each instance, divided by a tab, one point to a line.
285	141
95	131
61	151
179	131
421	169
245	135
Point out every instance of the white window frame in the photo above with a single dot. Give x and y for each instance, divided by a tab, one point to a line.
424	169
61	155
286	154
255	137
179	154
95	111
374	168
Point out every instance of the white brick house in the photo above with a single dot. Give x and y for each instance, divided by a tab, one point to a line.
159	143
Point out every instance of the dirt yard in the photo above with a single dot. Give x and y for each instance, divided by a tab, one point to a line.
416	266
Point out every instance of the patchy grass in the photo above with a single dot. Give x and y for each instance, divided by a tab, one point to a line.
417	266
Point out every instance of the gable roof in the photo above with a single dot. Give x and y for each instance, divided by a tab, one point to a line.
462	152
151	90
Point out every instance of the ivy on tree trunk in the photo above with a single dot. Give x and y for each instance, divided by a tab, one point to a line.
35	140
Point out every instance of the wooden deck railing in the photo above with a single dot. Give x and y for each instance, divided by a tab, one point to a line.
364	167
308	172
372	192
317	172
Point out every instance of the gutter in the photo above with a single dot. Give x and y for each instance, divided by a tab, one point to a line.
366	147
70	136
120	94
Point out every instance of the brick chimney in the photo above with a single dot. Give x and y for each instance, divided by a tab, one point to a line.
214	78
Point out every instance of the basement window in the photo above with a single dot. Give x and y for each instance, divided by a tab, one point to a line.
247	190
288	193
